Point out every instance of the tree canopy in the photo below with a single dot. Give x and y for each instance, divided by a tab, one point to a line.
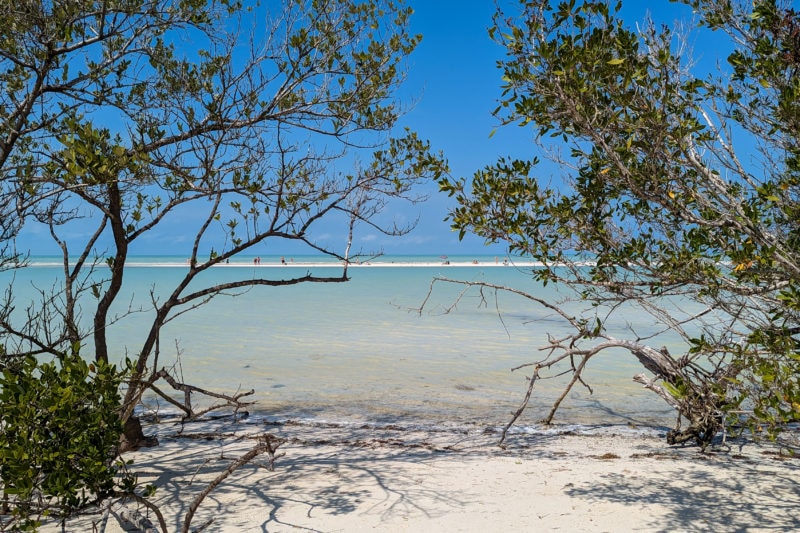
262	122
676	188
120	115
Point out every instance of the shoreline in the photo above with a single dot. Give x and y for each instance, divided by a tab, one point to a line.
356	479
319	264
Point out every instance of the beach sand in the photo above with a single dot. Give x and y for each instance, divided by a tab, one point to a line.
348	479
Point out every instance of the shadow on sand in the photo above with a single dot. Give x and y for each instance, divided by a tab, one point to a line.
390	475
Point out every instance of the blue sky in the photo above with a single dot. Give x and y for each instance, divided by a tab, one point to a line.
452	86
455	78
455	83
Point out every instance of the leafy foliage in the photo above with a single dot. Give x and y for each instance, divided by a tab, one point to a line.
60	427
276	121
681	187
121	119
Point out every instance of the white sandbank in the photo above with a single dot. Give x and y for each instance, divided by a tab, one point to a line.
317	264
349	480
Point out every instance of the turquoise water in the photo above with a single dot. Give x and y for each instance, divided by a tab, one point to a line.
360	352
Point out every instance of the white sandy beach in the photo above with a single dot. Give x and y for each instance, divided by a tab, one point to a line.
344	479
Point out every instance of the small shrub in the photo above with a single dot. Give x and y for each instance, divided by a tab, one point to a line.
59	429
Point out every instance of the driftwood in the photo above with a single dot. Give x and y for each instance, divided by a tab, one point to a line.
266	443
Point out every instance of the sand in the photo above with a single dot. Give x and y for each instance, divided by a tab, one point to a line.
365	479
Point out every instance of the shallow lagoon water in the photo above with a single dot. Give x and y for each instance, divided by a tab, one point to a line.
358	352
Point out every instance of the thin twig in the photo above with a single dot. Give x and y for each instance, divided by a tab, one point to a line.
522	407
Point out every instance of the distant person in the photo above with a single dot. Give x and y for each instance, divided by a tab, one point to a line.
283	261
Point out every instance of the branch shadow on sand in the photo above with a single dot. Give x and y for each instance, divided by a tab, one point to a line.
334	476
711	492
325	473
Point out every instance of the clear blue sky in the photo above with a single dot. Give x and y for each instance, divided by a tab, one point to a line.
452	86
454	74
456	83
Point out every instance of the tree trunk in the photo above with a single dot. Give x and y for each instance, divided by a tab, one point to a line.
133	437
117	269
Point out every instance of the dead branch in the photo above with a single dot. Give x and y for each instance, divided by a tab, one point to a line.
267	443
694	392
531	382
228	400
469	284
576	376
650	384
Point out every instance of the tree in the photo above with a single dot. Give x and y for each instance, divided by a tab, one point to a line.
677	190
118	117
